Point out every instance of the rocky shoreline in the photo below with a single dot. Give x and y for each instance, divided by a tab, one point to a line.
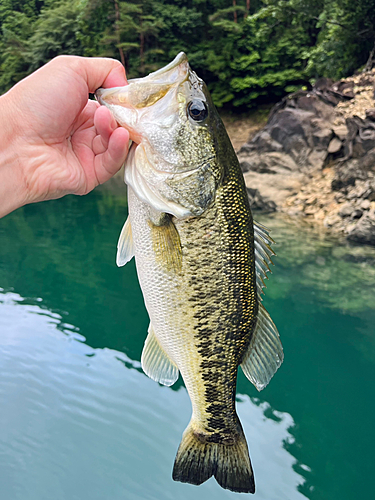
315	158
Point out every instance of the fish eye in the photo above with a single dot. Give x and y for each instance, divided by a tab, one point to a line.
197	110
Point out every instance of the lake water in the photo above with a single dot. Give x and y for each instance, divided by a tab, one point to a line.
80	421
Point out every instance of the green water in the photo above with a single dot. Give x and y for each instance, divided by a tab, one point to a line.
80	420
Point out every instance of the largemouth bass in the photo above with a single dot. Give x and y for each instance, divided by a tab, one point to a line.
201	261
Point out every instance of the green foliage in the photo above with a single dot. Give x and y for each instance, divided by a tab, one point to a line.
346	37
55	32
16	29
246	57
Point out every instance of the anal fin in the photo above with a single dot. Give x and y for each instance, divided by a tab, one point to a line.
156	363
265	352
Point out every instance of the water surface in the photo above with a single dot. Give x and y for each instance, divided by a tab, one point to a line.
80	420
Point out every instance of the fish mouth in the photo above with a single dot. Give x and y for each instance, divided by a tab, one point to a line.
144	92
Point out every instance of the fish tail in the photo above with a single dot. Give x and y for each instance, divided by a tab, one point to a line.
197	460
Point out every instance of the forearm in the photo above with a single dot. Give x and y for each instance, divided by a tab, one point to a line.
12	182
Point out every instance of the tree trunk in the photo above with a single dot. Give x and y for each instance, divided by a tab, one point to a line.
246	13
142	48
117	30
234	12
370	60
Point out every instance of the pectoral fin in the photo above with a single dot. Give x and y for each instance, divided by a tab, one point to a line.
125	247
265	352
166	244
156	363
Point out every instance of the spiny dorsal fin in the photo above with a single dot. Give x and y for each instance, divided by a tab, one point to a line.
125	247
263	253
265	352
156	363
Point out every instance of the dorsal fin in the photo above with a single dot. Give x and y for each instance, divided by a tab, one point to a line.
156	362
265	352
263	253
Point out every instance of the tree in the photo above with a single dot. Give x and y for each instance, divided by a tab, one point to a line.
55	33
16	29
346	38
247	52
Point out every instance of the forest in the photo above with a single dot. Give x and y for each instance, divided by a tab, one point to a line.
249	52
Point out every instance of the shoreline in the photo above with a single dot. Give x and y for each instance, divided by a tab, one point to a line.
315	158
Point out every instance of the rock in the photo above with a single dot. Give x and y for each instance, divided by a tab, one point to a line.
347	173
369	192
320	215
245	166
277	186
341	131
257	202
296	212
364	231
331	220
311	200
344	178
334	146
339	197
367	162
350	227
365	204
311	210
322	138
357	214
359	190
346	210
316	156
370	114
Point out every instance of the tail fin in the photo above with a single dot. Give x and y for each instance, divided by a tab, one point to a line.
197	461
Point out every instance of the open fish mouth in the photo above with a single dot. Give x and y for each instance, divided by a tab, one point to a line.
173	157
144	92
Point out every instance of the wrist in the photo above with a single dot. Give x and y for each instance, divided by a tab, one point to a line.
13	192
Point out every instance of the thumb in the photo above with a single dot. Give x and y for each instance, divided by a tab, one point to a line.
103	72
97	71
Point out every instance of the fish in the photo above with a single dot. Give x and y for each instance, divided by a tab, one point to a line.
201	262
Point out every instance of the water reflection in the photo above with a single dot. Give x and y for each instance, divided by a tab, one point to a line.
76	423
79	418
341	275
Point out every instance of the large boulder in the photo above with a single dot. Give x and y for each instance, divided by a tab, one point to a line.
314	146
364	231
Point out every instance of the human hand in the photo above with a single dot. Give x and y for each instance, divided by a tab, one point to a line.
53	140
